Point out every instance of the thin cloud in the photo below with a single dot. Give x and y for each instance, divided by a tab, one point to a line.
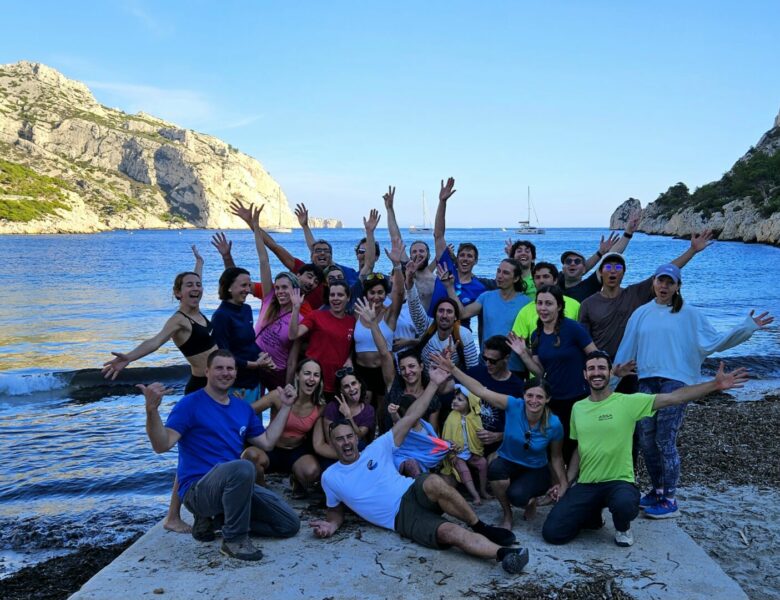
148	21
181	106
238	123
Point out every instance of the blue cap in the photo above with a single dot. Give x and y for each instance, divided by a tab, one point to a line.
669	270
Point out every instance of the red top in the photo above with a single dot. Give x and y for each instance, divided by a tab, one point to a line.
315	297
330	342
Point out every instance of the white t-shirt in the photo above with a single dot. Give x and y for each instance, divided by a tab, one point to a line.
371	486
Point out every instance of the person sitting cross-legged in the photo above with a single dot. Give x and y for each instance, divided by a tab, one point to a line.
368	483
211	428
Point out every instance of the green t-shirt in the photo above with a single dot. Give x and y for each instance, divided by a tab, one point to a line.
530	288
604	432
525	321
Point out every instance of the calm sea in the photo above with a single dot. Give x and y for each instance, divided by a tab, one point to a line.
77	467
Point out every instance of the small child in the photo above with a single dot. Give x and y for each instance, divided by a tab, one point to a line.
461	428
422	450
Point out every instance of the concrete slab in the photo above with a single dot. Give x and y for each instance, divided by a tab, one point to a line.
362	561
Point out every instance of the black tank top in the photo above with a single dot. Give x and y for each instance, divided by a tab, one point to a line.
200	339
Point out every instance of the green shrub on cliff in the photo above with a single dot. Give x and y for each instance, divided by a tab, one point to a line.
26	195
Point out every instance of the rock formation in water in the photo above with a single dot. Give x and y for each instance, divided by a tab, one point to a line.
68	164
743	205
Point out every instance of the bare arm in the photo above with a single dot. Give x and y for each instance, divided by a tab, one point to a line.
474	386
574	466
723	381
392	223
271	399
531	361
699	242
334	517
395	255
198	262
112	368
267	440
319	440
466	312
223	245
303	220
370	259
418	407
262	254
161	437
628	233
439	225
296	330
367	315
604	246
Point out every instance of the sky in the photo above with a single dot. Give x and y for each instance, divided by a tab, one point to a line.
586	102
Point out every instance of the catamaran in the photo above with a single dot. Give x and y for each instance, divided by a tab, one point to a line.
525	226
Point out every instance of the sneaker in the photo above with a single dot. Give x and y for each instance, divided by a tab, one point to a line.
515	561
624	539
243	550
649	499
666	508
203	529
497	535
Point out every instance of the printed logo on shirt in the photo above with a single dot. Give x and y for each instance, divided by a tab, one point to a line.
605	417
372	465
241	432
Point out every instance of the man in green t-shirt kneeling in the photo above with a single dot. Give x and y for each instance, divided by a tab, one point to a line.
603	425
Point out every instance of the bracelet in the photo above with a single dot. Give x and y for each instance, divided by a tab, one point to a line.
396	267
628	235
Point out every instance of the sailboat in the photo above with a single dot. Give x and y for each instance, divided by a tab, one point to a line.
279	228
525	226
426	224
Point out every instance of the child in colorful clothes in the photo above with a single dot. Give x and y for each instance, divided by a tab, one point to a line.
422	450
461	428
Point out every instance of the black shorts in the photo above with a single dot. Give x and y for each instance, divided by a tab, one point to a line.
372	378
419	518
281	460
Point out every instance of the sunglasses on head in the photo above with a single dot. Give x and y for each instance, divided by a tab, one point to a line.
343	372
371	276
491	361
573	261
617	267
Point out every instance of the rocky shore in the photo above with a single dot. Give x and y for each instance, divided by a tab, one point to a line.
730	500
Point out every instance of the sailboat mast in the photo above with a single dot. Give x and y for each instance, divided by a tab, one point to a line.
529	204
425	211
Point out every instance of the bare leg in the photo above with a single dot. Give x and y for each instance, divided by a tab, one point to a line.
172	521
499	488
465	479
449	499
410	468
468	541
306	470
258	458
480	464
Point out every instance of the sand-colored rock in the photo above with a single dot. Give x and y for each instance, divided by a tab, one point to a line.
125	171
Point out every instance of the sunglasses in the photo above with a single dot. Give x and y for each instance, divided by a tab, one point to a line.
360	251
527	444
372	276
491	361
321	251
617	267
573	261
344	372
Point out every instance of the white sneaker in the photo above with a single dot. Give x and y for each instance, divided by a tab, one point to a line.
624	539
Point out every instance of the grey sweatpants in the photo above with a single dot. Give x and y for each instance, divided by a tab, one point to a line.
229	489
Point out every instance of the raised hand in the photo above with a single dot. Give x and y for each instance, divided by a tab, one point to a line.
451	250
303	214
372	221
389	197
699	241
365	311
221	243
153	394
255	212
296	298
734	379
763	319
443	362
196	254
447	190
517	344
396	252
623	369
437	375
606	244
242	212
287	394
344	409
411	269
508	247
322	529
633	222
444	275
111	368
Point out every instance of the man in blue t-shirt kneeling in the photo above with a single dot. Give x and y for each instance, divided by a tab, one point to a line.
211	429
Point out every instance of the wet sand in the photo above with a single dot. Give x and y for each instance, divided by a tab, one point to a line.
729	498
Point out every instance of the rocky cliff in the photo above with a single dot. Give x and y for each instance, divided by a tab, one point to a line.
743	205
68	164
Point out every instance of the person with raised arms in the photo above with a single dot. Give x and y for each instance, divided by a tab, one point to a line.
368	483
191	332
211	428
603	425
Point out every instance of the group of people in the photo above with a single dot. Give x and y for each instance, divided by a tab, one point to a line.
384	394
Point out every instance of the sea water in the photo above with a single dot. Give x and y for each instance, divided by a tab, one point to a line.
77	467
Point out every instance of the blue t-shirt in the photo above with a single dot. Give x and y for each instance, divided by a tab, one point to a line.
211	434
513	447
565	363
493	418
498	317
467	292
423	446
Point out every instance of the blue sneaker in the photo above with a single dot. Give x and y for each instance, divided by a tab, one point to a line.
648	500
666	508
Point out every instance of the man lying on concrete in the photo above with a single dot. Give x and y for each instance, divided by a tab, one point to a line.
211	428
369	484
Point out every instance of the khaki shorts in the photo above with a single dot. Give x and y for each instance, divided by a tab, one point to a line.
419	518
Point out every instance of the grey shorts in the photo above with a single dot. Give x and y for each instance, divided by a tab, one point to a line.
418	517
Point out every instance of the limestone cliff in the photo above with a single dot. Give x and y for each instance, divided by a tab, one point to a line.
68	164
743	205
